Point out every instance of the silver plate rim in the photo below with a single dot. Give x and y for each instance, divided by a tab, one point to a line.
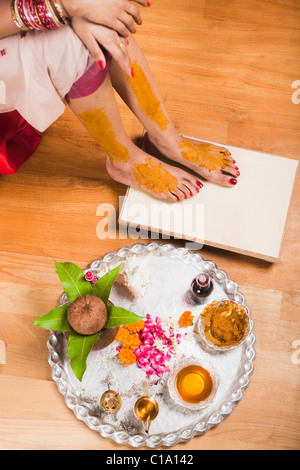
82	411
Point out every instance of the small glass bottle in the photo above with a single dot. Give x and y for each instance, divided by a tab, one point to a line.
90	277
202	286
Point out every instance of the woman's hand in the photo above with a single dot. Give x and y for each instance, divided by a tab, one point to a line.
92	35
119	15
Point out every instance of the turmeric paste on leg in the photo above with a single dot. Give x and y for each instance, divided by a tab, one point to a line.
125	162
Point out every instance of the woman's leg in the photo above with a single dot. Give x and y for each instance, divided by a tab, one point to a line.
125	162
141	95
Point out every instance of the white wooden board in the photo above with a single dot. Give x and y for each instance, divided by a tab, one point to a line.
248	218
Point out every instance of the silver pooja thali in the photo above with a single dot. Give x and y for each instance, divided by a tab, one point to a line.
170	271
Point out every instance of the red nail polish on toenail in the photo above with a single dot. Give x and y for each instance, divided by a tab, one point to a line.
238	173
132	74
236	167
101	64
148	4
198	183
185	197
232	181
197	190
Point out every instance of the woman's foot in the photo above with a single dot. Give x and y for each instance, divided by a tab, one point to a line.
159	179
207	160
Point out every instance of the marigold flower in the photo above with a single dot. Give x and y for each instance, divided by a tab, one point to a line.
186	319
135	327
122	334
127	356
131	341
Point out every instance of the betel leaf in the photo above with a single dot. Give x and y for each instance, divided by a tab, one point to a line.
73	281
55	320
120	316
79	347
103	286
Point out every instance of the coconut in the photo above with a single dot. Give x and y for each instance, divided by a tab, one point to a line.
87	315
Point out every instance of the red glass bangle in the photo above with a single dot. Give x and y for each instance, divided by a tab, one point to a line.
16	16
36	14
53	15
60	13
27	13
30	5
47	15
21	12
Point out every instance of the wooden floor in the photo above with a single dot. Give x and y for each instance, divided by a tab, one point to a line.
225	70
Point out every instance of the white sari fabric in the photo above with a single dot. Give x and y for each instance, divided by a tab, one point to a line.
37	69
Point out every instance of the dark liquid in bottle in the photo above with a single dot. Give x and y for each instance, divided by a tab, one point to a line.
202	286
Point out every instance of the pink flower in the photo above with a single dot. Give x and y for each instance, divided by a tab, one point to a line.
149	358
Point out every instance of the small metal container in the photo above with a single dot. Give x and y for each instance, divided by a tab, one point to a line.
146	410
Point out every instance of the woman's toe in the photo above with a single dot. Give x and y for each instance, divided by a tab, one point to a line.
223	179
196	186
171	197
231	171
182	191
225	152
229	181
190	187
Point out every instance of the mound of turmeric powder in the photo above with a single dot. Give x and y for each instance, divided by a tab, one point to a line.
225	324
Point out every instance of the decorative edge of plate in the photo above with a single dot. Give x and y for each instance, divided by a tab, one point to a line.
82	411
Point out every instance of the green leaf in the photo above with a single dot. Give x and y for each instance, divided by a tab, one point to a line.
120	316
56	319
103	286
73	281
79	347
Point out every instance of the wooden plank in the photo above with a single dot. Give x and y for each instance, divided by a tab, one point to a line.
2	353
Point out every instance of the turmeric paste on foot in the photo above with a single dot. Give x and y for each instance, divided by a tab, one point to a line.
203	155
154	177
147	99
100	127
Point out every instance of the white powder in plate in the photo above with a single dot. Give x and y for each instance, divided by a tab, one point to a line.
167	296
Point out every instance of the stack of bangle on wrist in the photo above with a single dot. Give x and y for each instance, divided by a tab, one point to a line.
38	14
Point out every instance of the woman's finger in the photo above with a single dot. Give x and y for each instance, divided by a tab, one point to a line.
117	47
133	11
127	21
121	55
120	28
145	3
92	45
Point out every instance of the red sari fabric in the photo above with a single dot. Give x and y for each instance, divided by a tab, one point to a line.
18	141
